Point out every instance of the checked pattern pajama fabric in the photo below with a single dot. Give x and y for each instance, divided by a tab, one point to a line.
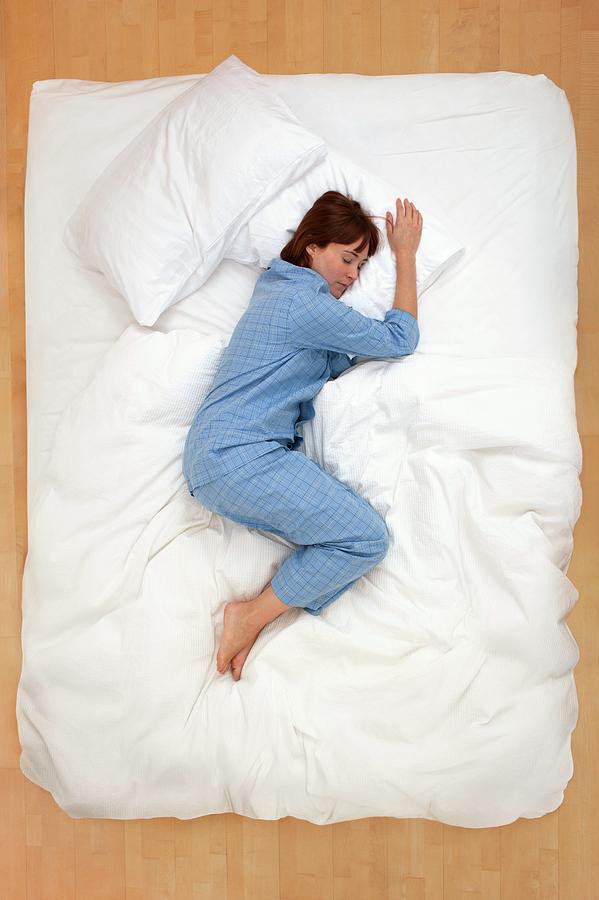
341	536
242	458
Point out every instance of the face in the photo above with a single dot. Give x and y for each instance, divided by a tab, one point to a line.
339	264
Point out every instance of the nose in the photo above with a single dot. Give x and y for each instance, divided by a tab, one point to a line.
352	273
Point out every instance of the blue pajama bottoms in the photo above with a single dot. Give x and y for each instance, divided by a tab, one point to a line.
340	535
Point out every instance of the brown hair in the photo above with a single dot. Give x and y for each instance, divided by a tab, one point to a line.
333	217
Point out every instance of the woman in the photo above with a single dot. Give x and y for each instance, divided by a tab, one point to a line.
241	458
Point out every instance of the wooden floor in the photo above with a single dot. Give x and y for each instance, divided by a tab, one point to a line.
45	854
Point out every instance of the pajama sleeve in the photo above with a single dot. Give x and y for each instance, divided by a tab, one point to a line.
317	320
339	363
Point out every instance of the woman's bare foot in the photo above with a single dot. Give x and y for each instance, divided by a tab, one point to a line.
240	630
243	620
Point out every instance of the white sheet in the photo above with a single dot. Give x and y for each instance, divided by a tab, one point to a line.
441	686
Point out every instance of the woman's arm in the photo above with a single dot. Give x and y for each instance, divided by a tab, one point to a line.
405	285
316	320
404	236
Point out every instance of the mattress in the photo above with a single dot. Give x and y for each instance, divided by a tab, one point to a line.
441	685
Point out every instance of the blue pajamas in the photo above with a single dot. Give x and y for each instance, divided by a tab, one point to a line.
341	536
292	338
241	456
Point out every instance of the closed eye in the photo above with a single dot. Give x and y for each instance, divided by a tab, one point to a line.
349	260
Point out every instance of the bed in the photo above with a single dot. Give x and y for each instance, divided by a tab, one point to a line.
440	686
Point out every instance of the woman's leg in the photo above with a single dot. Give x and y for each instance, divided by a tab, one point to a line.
339	535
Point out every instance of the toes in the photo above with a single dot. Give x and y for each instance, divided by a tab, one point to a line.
223	658
236	667
238	661
221	665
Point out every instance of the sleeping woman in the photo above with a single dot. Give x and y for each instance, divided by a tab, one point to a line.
242	457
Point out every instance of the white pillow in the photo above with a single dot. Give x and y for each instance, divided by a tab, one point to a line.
162	215
273	226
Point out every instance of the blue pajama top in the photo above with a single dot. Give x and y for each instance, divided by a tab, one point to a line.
292	338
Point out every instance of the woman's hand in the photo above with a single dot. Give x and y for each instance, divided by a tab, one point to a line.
404	236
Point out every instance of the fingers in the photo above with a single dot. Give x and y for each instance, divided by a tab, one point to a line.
405	210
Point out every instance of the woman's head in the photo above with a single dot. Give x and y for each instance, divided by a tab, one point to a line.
335	238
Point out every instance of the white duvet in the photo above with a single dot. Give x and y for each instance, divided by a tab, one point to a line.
441	684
